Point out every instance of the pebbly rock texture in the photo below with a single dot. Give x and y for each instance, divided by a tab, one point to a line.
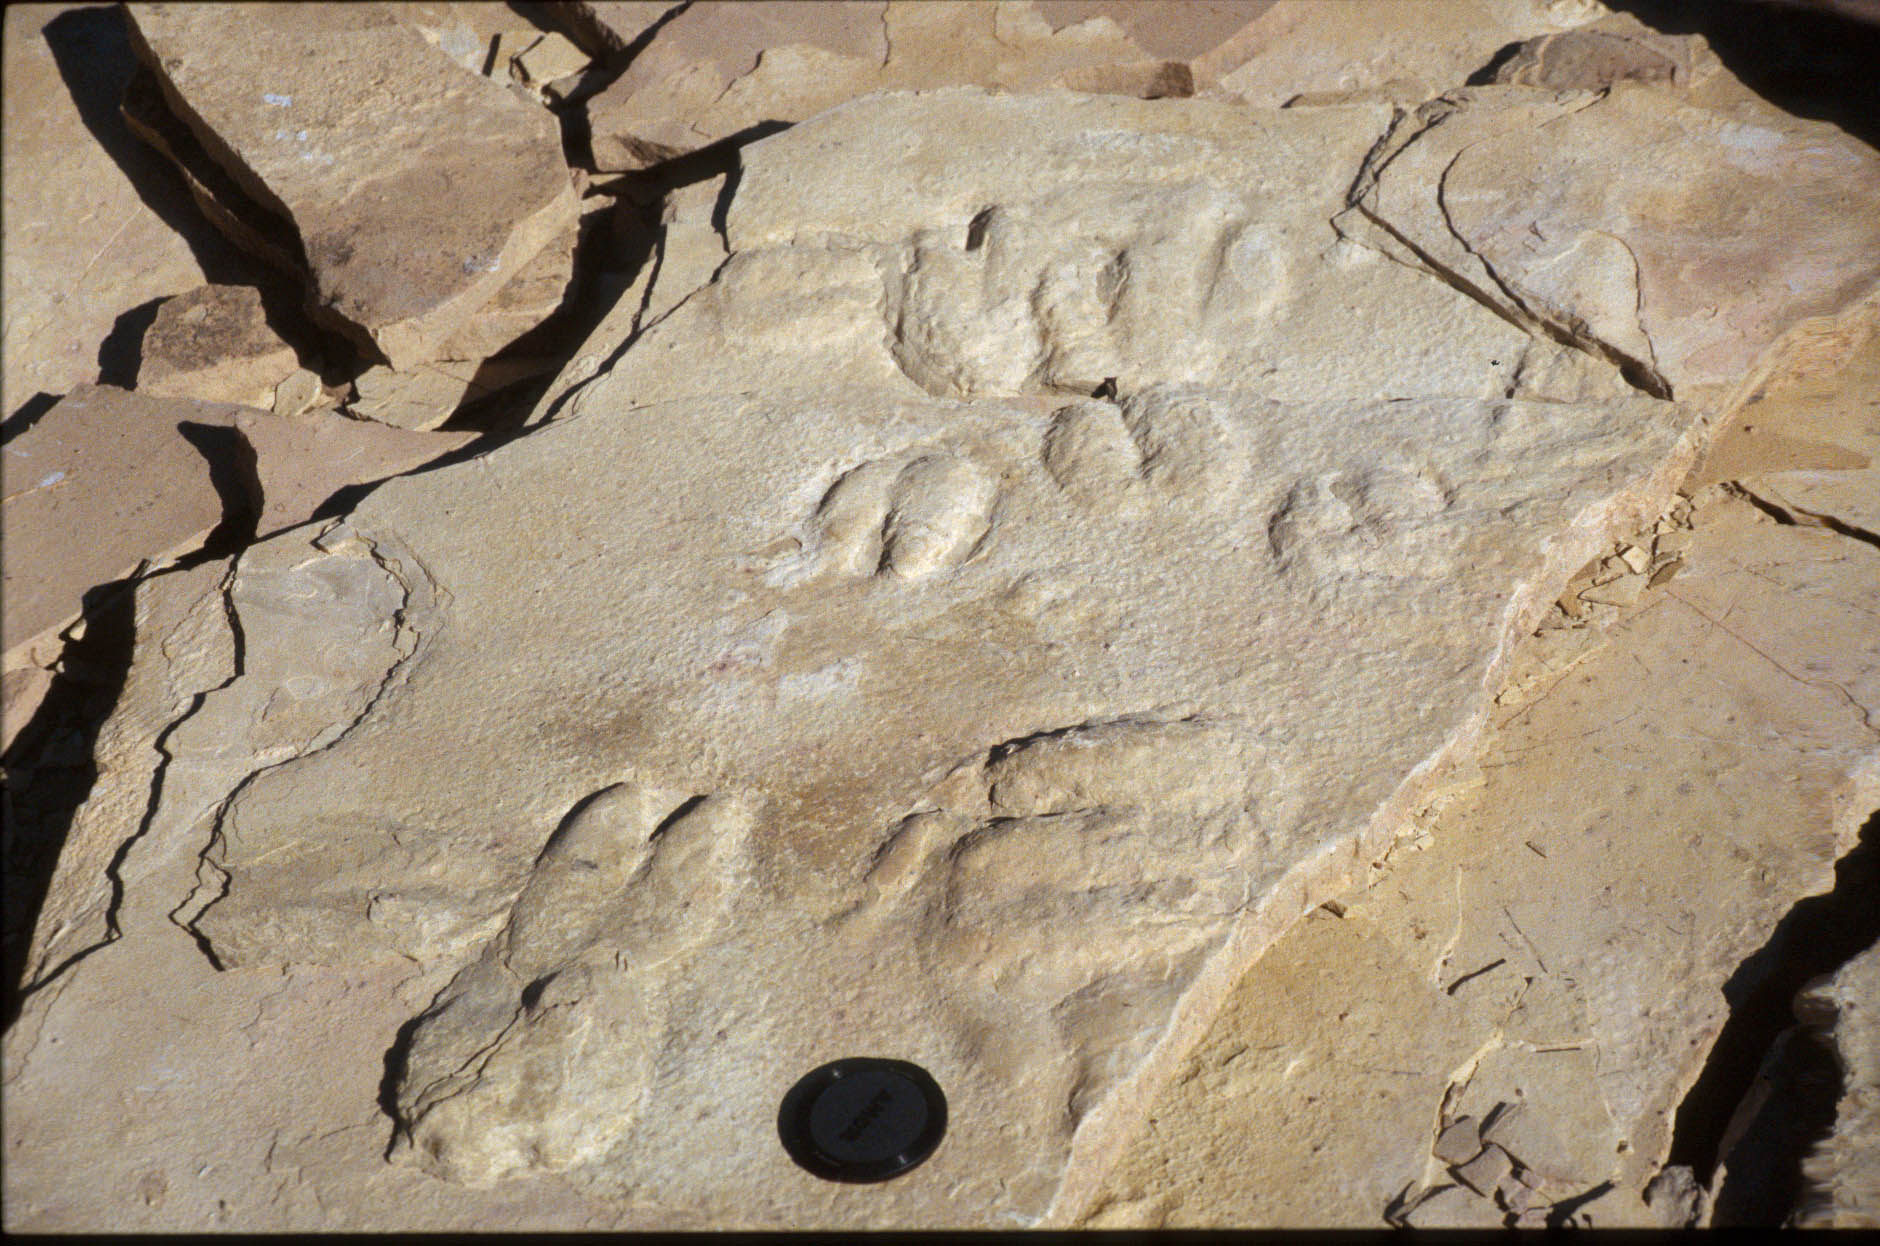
103	481
361	130
214	344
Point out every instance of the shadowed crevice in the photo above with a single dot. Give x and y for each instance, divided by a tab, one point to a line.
1816	937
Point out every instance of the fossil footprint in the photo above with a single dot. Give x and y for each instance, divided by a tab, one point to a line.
536	1056
1160	445
907	520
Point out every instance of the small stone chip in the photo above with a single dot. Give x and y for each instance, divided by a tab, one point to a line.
1635	558
1459	1143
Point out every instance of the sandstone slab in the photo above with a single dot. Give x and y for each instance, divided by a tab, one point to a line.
1121	788
1531	933
360	131
1404	48
719	69
1021	603
428	395
214	344
1679	285
72	520
95	227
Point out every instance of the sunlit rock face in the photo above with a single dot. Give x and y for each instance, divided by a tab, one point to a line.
1059	543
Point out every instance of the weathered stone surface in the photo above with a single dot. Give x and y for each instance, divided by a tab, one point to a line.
1613	49
988	277
23	690
689	252
1007	631
264	234
359	131
468	31
91	218
103	481
1409	49
1120	789
522	306
721	68
214	344
428	395
1639	225
1843	1171
1738	694
301	463
1187	32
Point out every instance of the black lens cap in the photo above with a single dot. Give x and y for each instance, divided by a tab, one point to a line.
863	1119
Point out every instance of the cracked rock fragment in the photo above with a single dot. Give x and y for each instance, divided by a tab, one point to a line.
345	123
1613	49
214	344
717	69
103	481
1632	222
185	649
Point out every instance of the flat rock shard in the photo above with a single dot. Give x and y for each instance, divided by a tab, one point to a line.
355	133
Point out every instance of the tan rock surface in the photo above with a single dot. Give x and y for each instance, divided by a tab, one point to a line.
1519	935
103	481
605	29
82	246
720	68
1185	32
1412	48
1612	49
428	395
301	463
214	344
1683	288
960	611
1101	718
359	131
